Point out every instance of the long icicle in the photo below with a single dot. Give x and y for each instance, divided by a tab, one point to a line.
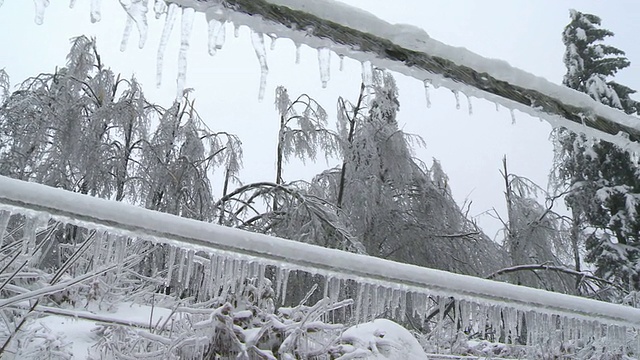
185	35
172	12
257	39
136	13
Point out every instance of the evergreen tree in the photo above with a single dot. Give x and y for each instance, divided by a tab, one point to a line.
603	181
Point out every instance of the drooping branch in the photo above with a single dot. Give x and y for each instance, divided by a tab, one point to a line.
545	267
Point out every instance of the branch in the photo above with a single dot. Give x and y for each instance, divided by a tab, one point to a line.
534	267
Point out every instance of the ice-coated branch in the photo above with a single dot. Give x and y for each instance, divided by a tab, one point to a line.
120	218
359	35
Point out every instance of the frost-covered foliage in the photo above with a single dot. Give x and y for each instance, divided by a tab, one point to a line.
397	207
244	325
536	235
603	181
291	210
88	130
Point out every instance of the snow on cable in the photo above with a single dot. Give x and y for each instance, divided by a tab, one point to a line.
382	285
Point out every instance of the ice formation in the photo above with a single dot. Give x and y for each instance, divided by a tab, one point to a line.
185	35
456	94
220	259
257	39
427	96
324	62
41	5
172	13
217	30
136	14
95	13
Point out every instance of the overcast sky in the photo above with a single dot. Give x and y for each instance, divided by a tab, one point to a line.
470	147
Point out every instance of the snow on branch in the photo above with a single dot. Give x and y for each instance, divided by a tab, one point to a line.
352	32
38	200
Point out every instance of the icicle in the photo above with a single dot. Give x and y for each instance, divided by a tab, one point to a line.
41	5
278	281
217	30
181	263
261	271
482	315
125	36
72	3
101	236
427	84
209	278
29	237
441	308
298	54
327	282
367	74
513	117
160	8
120	251
465	313
233	279
257	39
395	302
4	221
95	13
272	45
457	95
366	302
248	271
185	34
218	283
358	299
324	62
137	13
172	259
172	13
374	299
189	260
470	105
236	30
497	107
334	293
341	61
285	280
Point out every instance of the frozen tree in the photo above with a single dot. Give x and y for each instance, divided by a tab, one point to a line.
291	210
398	208
603	181
536	235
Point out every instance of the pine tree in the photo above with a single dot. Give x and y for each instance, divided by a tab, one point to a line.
603	181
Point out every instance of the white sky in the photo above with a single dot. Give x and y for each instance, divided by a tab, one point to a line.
525	34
